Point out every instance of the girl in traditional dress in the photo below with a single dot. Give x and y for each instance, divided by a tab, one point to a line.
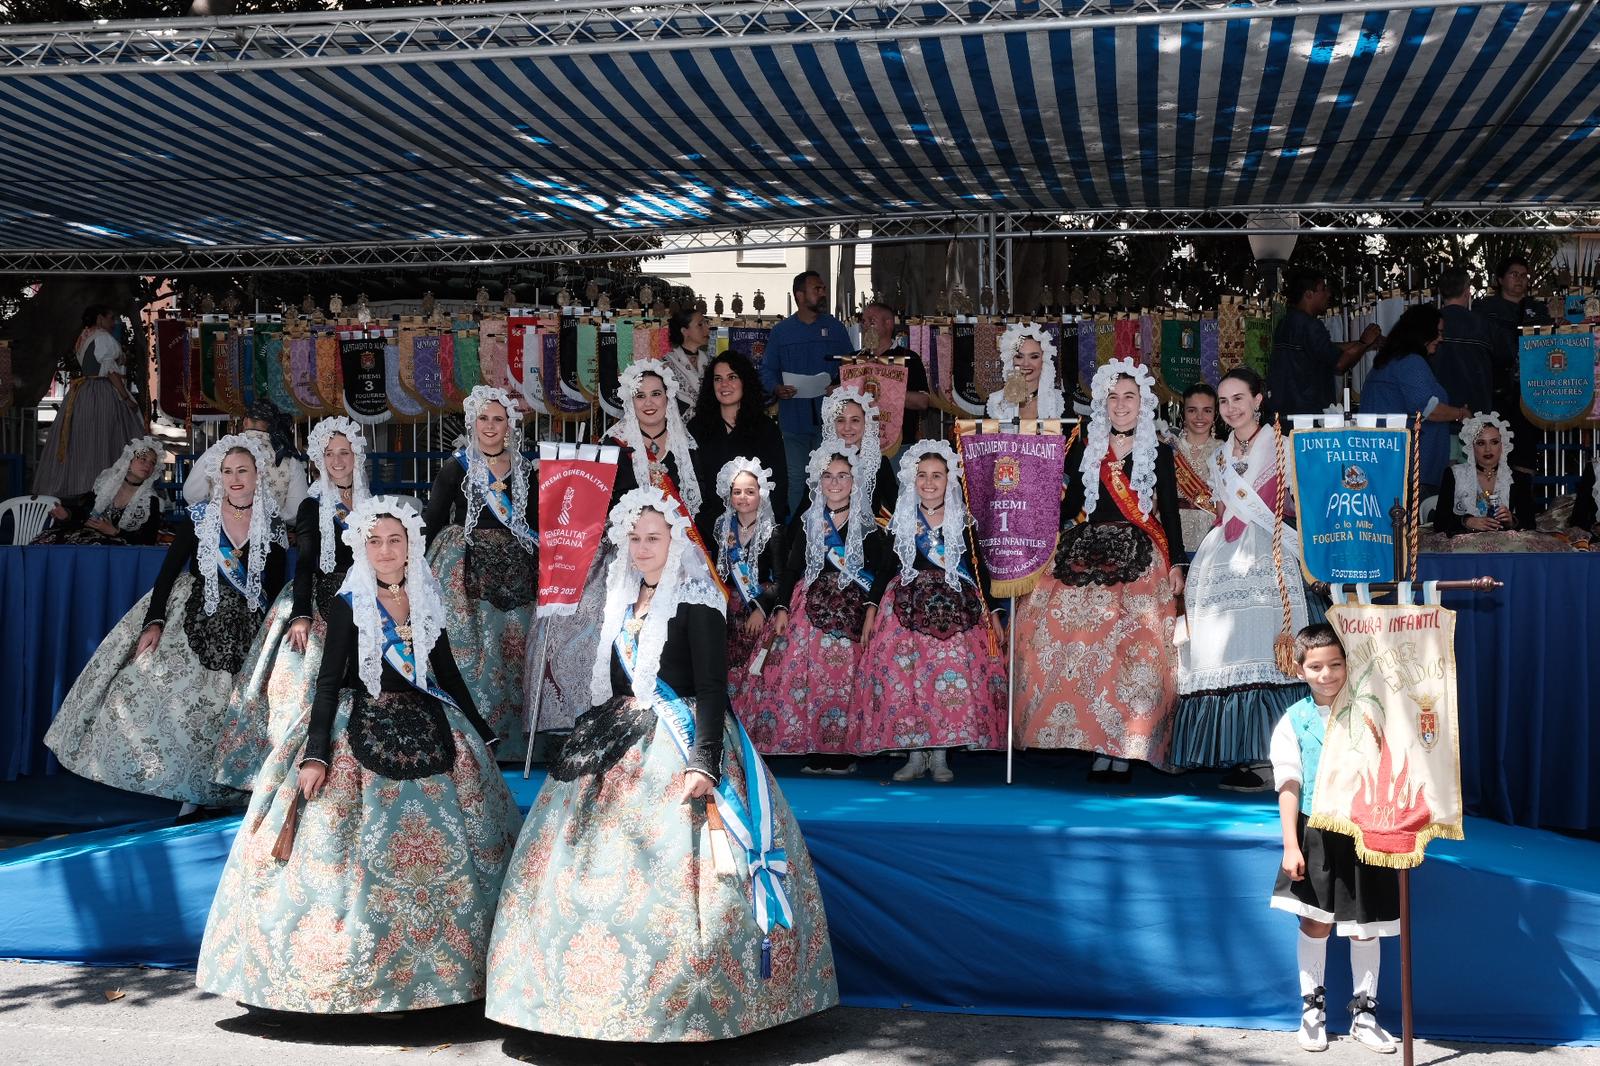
1028	367
630	913
656	449
1194	447
275	685
483	542
124	506
689	334
850	420
931	678
750	560
838	569
1096	669
379	897
98	416
1244	594
1483	494
146	713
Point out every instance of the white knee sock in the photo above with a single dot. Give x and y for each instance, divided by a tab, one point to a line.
1365	956
1313	955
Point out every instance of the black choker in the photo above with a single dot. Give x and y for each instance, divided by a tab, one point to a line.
1124	432
394	589
655	436
839	510
647	584
132	484
494	455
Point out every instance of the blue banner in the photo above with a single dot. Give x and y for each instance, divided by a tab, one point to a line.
1557	371
1345	482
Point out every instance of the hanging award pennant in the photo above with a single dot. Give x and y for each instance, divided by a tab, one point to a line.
572	394
1210	352
606	360
575	482
1180	354
366	387
1258	344
562	403
749	342
1557	374
964	354
885	381
403	405
1345	482
1013	485
1390	770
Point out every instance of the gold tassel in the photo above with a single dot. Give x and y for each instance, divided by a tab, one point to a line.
1283	654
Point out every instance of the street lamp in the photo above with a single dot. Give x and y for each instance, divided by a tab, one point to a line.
1273	249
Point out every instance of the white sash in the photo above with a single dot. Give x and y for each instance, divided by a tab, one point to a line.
1243	501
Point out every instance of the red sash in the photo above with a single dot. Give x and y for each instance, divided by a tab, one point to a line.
1127	502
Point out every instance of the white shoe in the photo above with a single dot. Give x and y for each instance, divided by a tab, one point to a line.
1314	1023
916	765
1364	1027
941	768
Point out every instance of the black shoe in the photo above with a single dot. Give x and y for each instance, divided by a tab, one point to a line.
1242	779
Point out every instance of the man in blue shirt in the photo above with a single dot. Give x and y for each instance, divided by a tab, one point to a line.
1304	358
807	342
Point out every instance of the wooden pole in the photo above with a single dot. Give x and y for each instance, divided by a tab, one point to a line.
1407	1052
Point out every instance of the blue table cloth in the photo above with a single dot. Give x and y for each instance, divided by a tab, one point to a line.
1526	659
56	604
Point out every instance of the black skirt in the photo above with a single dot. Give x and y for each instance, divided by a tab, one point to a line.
1359	899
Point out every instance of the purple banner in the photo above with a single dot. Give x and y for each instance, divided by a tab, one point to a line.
1014	491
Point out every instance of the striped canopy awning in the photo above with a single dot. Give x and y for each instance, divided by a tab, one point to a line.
1156	104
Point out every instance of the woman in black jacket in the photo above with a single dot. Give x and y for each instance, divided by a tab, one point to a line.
730	420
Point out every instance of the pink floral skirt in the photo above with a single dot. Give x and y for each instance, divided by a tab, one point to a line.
743	689
806	693
916	690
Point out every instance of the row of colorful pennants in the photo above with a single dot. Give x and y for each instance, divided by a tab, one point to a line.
565	365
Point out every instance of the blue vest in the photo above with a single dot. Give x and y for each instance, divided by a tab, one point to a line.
1308	730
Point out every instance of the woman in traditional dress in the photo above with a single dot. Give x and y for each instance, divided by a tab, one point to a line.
1096	670
931	678
124	506
750	559
146	713
1194	448
378	893
1244	601
275	685
483	542
656	451
1028	368
285	477
850	420
97	418
660	889
1483	494
689	333
838	568
731	421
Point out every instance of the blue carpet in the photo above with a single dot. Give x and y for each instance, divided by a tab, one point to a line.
1048	897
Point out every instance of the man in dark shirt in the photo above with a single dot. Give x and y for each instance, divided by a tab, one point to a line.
878	322
1506	313
1463	362
1304	358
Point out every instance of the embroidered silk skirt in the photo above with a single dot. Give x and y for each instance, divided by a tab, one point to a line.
614	924
1230	691
274	689
928	678
807	693
386	900
743	688
87	436
1096	669
151	724
488	603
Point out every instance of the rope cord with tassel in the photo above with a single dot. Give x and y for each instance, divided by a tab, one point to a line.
1413	508
1283	643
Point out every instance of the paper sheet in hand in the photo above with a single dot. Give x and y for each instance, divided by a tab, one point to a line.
807	386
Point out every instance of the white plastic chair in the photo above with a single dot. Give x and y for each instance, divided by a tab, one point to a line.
1425	512
28	516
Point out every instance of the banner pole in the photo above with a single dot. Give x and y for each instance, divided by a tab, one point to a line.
1406	1050
1011	683
532	722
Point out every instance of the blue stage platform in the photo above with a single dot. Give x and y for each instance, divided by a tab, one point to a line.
1047	897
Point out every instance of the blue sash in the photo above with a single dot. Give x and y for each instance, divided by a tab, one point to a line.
232	565
836	551
499	500
749	817
398	654
341	514
745	577
1308	730
933	550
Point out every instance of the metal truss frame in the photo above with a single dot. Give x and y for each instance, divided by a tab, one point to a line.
992	228
549	27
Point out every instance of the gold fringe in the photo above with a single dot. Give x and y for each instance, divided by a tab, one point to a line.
1016	588
1334	823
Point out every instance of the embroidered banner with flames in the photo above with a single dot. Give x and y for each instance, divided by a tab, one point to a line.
1390	771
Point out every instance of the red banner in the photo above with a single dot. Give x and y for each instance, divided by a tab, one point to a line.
575	483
